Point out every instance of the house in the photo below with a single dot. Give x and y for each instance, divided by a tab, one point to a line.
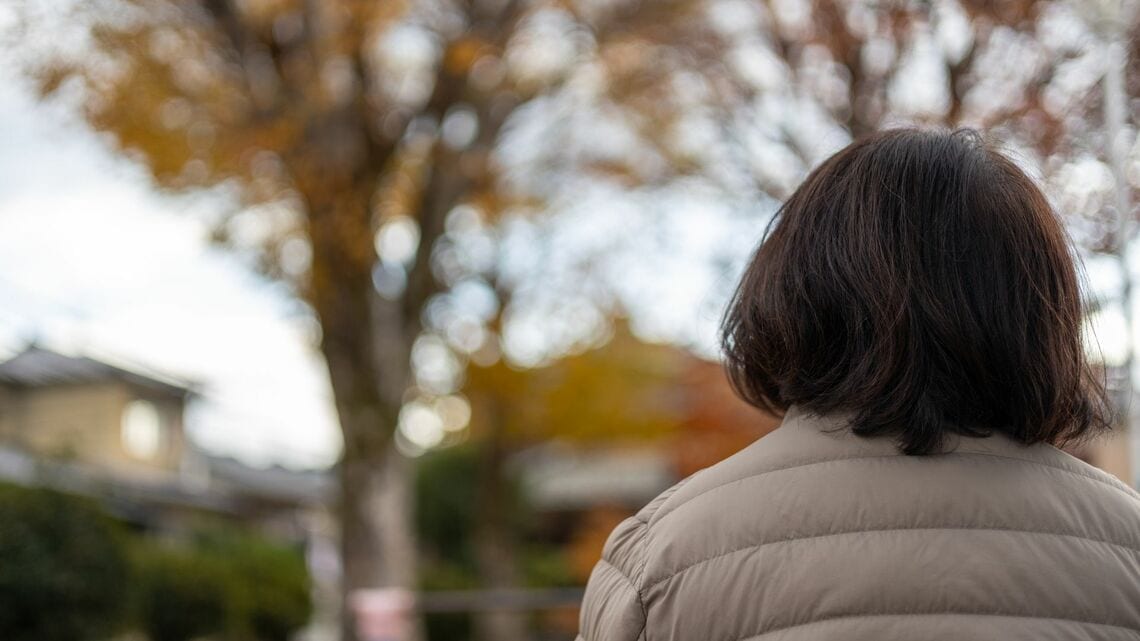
79	410
90	427
117	435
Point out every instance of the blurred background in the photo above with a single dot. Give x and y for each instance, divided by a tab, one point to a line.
370	319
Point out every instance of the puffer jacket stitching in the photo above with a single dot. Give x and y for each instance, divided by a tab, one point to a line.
639	546
662	517
644	549
641	601
647	539
661	514
640	577
754	637
646	545
640	598
1116	485
798	539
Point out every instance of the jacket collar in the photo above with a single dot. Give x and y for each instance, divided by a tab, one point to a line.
832	430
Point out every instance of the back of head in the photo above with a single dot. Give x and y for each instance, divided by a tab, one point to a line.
922	281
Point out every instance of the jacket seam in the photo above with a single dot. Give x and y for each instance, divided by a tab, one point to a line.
742	479
662	516
870	615
758	546
646	544
637	593
644	556
1121	488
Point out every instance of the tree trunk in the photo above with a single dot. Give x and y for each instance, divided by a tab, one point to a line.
377	542
366	351
367	340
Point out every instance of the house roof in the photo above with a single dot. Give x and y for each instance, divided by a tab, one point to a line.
40	367
279	484
558	477
21	467
230	488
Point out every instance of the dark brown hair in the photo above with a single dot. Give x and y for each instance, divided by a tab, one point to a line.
921	281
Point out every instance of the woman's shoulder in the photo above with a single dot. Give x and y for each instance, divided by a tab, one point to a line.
790	445
613	606
1050	459
625	547
812	474
813	482
816	464
800	441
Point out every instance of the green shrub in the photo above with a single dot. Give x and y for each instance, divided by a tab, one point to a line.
225	583
271	582
66	575
181	593
63	570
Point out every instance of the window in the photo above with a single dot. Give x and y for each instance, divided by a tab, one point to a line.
142	429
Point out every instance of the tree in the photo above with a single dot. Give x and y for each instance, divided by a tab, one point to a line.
331	123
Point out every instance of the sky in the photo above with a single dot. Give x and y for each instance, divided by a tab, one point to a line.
94	262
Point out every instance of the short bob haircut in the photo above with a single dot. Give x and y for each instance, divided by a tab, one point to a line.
920	281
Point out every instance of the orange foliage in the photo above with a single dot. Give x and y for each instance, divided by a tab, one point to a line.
586	543
624	390
717	423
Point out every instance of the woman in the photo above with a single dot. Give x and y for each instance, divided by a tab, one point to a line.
915	315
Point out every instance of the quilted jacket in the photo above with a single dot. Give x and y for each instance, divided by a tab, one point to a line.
814	533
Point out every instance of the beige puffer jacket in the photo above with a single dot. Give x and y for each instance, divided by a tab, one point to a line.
807	535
